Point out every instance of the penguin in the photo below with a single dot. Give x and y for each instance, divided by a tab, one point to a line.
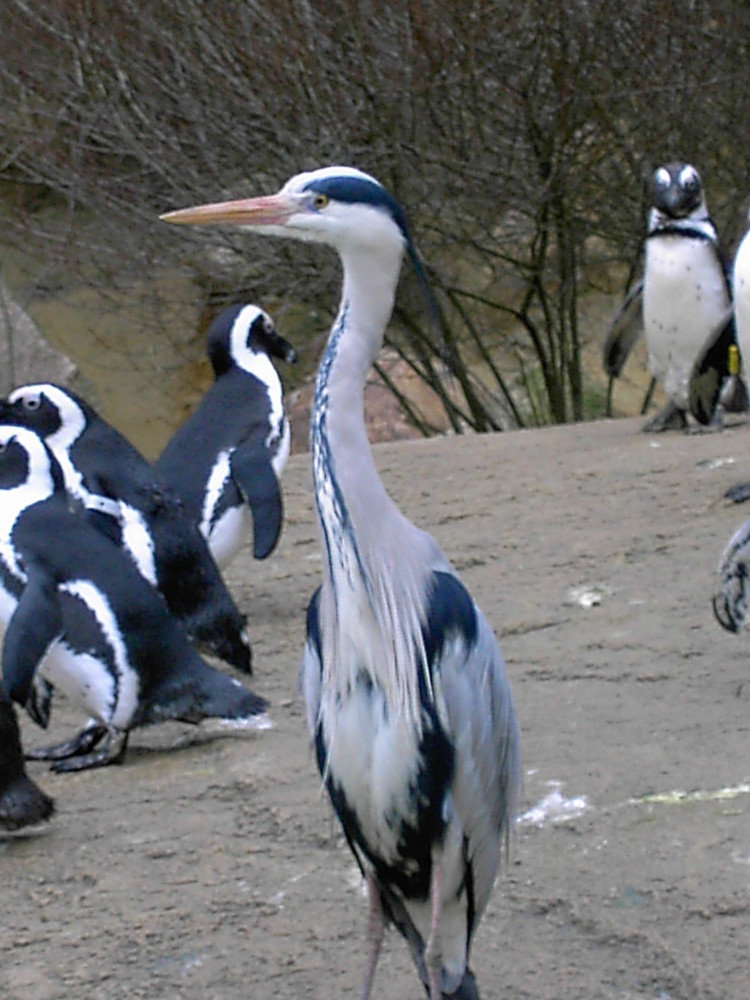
127	500
78	612
22	802
686	305
226	459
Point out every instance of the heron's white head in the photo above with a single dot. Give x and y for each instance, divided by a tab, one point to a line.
340	206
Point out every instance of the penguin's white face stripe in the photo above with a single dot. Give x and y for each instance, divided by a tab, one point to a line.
257	363
73	423
136	539
72	419
240	353
39	483
662	177
127	679
688	176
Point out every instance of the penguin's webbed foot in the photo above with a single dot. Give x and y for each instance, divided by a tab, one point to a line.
112	751
671	418
82	743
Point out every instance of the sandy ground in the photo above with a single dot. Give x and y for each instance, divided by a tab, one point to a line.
209	868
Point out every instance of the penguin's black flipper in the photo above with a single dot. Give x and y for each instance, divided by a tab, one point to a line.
22	802
624	330
35	624
710	369
255	478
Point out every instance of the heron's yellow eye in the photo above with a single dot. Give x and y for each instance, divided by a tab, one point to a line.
320	201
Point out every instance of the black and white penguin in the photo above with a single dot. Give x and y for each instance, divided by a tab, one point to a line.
22	802
126	498
686	301
77	612
226	459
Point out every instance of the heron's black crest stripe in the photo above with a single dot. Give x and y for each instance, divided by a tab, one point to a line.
360	190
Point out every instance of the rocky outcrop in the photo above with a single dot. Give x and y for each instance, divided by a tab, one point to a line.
25	355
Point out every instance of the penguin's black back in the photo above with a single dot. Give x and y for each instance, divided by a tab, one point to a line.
234	410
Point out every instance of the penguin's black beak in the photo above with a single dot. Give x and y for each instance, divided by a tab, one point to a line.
281	348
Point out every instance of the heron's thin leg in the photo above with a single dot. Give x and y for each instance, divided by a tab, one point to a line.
432	954
375	932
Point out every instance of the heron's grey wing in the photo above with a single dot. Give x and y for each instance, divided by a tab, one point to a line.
624	330
253	473
33	627
710	369
311	667
470	680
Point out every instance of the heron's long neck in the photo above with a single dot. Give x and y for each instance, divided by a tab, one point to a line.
374	580
347	485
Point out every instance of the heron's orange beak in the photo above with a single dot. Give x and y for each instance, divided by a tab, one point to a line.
269	210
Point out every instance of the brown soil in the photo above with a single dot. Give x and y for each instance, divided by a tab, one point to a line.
209	868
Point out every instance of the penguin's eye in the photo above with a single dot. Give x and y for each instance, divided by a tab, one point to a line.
320	200
32	402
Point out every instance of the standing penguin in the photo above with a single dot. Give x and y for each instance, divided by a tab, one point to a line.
76	610
22	803
127	498
226	459
687	307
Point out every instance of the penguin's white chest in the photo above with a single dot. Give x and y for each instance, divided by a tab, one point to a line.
228	533
107	690
684	300
741	286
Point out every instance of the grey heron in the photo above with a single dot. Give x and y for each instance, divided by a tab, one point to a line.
406	693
